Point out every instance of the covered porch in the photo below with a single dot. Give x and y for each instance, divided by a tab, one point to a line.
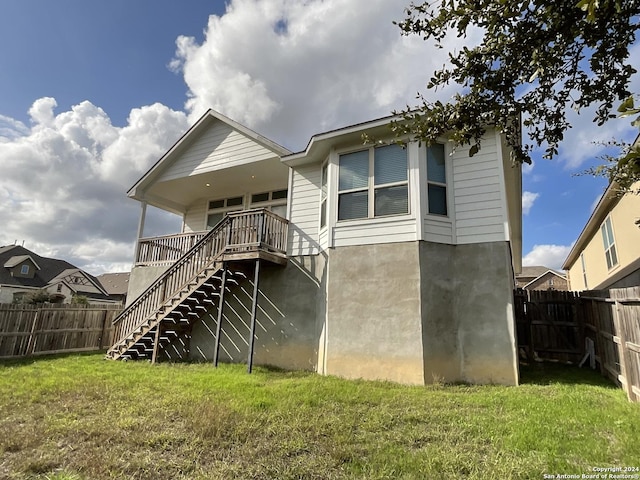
255	233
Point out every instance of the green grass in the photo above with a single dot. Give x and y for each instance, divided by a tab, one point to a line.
81	417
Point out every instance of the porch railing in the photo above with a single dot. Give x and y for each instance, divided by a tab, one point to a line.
238	232
166	249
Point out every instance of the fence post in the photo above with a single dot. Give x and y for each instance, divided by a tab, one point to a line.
623	352
104	324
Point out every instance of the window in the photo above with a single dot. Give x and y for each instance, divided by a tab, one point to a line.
373	183
609	244
436	180
275	201
584	271
323	196
218	208
24	270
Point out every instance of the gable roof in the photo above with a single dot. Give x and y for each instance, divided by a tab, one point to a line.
173	154
18	259
50	269
553	272
114	283
61	277
535	271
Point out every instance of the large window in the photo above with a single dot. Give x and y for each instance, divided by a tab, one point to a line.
609	243
436	180
218	208
373	183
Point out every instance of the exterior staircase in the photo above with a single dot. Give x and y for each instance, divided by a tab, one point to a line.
161	318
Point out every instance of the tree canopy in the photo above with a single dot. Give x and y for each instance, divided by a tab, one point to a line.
537	58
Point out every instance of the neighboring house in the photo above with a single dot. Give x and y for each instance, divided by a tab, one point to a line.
363	261
23	272
541	278
607	252
116	285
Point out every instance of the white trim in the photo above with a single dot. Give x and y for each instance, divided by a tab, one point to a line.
542	275
503	188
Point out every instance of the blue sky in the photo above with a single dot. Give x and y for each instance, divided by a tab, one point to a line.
92	93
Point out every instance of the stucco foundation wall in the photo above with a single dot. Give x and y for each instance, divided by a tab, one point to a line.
419	312
483	309
440	340
141	278
288	324
373	313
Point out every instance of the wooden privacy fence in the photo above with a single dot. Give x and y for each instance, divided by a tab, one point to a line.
602	326
49	328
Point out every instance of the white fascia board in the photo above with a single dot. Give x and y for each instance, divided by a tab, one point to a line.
320	144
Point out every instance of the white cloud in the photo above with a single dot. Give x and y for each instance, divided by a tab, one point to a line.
64	180
528	198
552	256
306	67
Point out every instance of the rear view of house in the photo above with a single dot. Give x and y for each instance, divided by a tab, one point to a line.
381	261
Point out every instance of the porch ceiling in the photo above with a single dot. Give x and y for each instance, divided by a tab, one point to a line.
178	195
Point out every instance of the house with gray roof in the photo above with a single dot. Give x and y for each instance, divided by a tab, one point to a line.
23	272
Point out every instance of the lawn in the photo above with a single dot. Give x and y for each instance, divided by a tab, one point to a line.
82	417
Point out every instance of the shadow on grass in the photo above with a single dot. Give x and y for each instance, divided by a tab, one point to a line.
547	373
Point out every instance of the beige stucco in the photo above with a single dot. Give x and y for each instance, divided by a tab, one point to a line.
623	214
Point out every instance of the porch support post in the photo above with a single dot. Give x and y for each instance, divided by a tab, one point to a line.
143	214
216	348
156	342
254	309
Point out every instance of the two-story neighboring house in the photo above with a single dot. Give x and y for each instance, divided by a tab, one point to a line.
607	252
23	272
365	261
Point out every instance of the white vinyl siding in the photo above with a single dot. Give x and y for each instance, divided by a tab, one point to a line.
438	230
305	210
478	194
374	231
220	146
196	217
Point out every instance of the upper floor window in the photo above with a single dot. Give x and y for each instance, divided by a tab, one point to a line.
323	196
217	209
584	271
275	201
436	180
373	183
24	270
609	243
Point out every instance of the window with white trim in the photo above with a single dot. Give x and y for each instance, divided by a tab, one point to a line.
218	208
323	195
275	201
436	180
609	243
584	271
373	183
24	270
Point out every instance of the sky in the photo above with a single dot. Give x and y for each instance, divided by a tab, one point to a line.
93	93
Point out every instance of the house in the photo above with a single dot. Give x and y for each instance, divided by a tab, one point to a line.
541	278
607	252
116	285
23	271
377	261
